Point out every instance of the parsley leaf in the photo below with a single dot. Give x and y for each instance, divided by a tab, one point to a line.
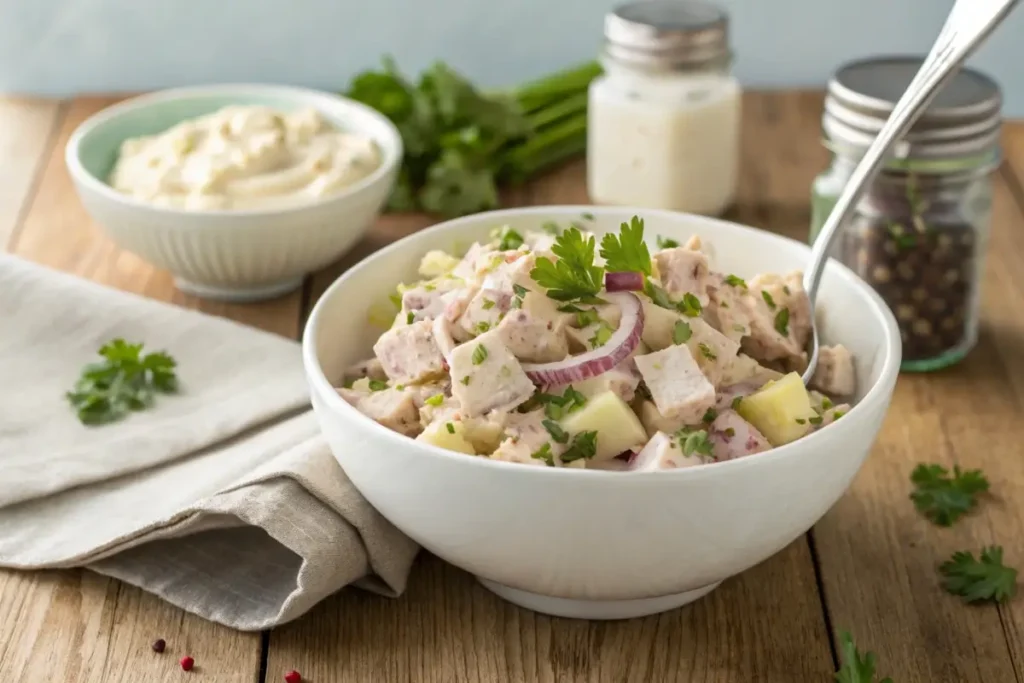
694	442
377	385
556	431
666	243
602	335
487	304
556	407
479	354
977	581
574	275
736	402
587	317
681	332
627	252
124	380
944	499
510	239
689	306
450	427
706	351
544	453
435	400
584	446
768	300
854	667
782	322
709	415
735	281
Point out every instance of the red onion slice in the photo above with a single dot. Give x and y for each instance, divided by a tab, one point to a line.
600	360
624	281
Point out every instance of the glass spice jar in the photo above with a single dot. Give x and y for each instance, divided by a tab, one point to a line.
920	232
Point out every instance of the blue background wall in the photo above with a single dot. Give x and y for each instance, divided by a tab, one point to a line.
59	47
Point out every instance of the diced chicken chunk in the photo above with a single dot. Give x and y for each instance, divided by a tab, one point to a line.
662	452
780	319
368	368
677	385
535	332
441	328
683	271
486	376
392	408
475	260
421	392
510	272
834	374
728	395
727	310
733	437
714	351
427	301
409	354
484	311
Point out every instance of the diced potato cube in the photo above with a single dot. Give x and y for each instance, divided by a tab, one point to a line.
780	410
658	325
617	426
447	435
361	385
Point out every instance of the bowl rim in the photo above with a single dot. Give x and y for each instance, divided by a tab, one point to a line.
322	100
880	392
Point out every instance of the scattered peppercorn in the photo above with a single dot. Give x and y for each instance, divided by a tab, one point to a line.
293	677
159	645
187	663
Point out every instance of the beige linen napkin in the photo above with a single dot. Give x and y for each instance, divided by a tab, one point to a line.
222	499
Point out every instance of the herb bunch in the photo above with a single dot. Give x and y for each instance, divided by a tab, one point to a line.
124	380
461	143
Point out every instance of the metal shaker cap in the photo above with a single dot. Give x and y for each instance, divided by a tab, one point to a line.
666	34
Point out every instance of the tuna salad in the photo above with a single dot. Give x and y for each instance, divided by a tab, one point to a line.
551	348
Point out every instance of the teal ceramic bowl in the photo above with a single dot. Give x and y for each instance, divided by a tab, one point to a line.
230	254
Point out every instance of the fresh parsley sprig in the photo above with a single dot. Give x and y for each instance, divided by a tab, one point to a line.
987	579
573	277
854	667
627	251
124	380
943	498
583	447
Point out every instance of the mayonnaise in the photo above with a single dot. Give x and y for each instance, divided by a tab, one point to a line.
244	157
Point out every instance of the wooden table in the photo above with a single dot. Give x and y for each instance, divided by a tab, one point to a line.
868	566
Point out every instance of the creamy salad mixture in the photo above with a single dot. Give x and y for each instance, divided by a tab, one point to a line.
548	349
244	157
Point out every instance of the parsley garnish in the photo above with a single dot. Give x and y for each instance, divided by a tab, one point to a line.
602	335
573	276
409	317
801	421
520	291
450	427
587	317
816	420
551	228
510	239
977	581
584	446
826	403
435	400
768	299
706	351
488	304
730	432
855	668
735	281
396	299
556	431
125	380
482	326
710	415
837	414
944	499
689	306
479	354
465	380
627	252
694	442
666	243
681	332
587	216
378	385
782	322
556	407
736	402
545	454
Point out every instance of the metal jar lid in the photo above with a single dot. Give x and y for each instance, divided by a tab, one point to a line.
667	34
963	120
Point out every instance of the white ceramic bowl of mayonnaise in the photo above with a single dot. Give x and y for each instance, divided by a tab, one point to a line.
247	250
591	543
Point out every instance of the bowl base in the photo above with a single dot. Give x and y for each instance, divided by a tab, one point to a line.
596	609
242	294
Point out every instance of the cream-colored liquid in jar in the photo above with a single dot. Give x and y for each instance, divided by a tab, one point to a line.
674	147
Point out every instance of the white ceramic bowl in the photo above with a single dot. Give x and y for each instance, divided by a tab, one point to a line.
588	543
230	254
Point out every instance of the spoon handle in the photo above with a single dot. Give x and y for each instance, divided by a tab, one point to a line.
968	24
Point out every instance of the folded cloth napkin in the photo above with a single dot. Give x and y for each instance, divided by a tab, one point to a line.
222	499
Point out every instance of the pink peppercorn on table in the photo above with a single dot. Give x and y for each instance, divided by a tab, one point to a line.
867	567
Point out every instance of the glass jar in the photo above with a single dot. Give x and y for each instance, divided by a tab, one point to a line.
919	233
664	119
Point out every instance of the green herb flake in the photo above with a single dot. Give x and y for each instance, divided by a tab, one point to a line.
943	498
735	405
826	403
510	240
739	328
396	299
666	243
587	216
801	421
694	442
681	332
785	290
706	351
729	432
987	579
735	281
583	447
768	299
556	407
586	317
551	228
709	415
556	431
602	335
854	667
816	420
488	304
544	453
450	427
782	322
435	400
378	385
689	306
479	354
837	414
409	318
465	380
482	326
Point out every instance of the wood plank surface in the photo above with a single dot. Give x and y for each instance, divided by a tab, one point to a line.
76	626
25	129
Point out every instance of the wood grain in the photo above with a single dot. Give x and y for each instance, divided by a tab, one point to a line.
24	137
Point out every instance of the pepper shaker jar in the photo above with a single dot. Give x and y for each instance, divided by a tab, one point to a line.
664	119
919	234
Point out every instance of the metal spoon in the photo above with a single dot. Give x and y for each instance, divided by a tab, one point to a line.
969	23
